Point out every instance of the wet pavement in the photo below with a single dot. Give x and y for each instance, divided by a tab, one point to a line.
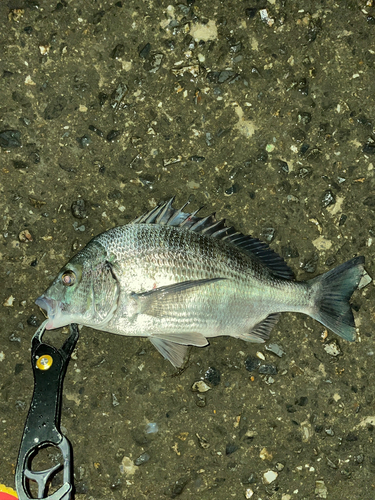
262	112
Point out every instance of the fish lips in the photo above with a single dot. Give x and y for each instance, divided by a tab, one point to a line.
52	307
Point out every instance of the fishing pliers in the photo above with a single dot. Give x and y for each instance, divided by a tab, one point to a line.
42	427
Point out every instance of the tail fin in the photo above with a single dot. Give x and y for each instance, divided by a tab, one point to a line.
333	291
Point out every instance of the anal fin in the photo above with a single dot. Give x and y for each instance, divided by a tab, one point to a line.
261	331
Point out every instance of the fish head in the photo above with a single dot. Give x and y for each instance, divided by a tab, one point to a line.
86	292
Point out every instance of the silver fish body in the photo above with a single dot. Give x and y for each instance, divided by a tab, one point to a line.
180	279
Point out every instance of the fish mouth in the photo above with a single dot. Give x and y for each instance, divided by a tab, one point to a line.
52	308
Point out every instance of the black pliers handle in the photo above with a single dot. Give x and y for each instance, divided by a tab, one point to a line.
42	427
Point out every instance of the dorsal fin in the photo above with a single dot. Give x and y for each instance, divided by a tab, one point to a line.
165	215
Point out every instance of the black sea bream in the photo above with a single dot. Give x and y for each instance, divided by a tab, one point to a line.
179	279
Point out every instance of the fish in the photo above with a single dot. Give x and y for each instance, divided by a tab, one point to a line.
179	279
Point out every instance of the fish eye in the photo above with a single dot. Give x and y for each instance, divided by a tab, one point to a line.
68	278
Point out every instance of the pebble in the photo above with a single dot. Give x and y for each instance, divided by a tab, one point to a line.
230	448
369	149
142	459
252	363
250	479
127	466
328	198
365	280
25	236
10	139
212	375
267	369
200	386
201	401
145	51
33	321
178	487
79	209
202	441
156	62
9	301
332	348
320	489
117	96
249	493
112	135
276	349
96	130
268	234
152	428
269	477
118	51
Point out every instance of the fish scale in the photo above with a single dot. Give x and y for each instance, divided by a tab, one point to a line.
179	279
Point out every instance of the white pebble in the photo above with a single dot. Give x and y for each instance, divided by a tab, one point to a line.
269	477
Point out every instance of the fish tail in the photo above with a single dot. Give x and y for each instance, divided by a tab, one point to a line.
333	291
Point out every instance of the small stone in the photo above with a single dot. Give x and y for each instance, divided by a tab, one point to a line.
201	401
10	139
200	386
268	234
320	489
230	448
365	280
142	459
152	428
369	149
328	198
145	51
79	209
265	454
9	301
267	369
197	159
269	477
44	49
156	62
332	348
118	51
112	135
33	321
252	363
249	493
276	349
178	487
250	479
232	190
304	117
302	401
25	236
202	441
212	375
127	466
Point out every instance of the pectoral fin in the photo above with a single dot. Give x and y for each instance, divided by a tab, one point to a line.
174	346
156	302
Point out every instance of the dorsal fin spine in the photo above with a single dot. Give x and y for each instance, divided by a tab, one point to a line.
165	215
